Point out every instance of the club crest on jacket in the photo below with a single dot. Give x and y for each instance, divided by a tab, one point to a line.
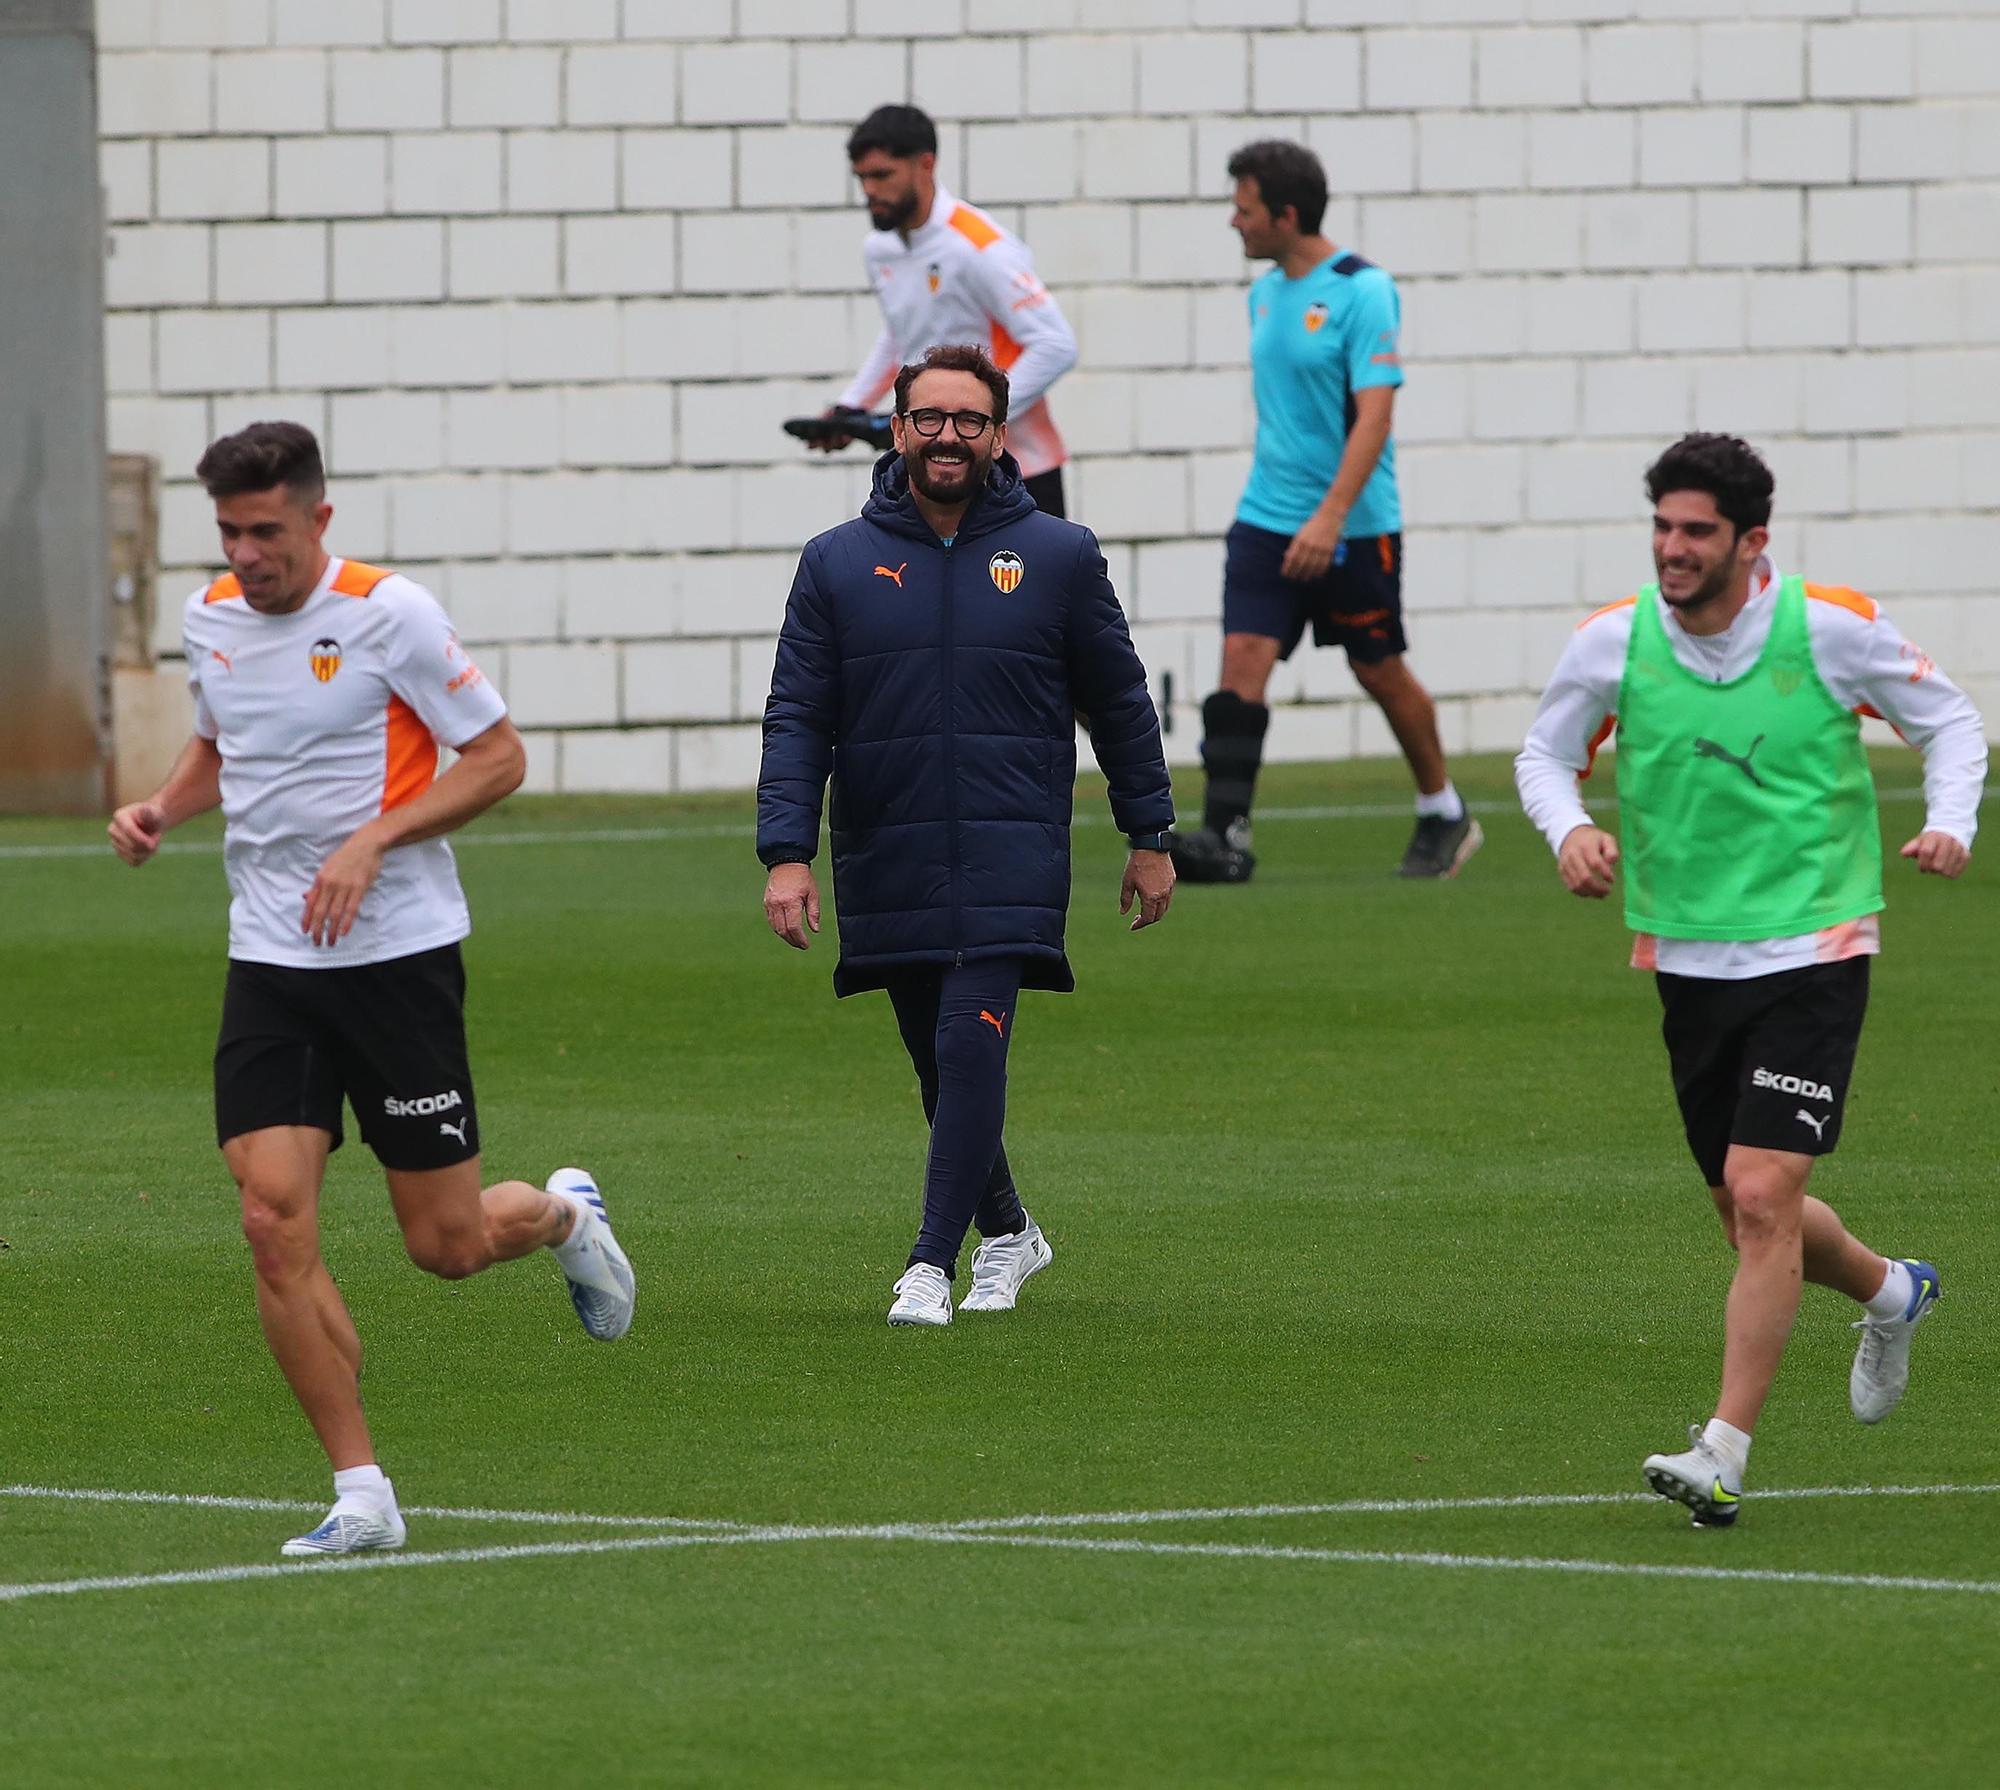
1005	569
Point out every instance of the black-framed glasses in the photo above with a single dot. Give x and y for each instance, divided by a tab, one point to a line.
967	425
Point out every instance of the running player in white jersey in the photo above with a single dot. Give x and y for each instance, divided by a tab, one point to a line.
1751	858
323	690
946	273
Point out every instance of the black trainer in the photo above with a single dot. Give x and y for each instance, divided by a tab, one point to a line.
1206	856
1439	847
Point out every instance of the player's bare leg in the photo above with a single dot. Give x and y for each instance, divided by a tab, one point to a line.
1446	835
1767	1190
453	1228
1247	663
278	1172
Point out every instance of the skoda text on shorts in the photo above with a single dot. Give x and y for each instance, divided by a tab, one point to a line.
1751	859
323	691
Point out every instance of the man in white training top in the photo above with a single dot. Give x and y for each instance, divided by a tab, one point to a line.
323	690
1751	855
944	273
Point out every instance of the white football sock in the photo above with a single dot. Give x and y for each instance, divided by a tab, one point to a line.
568	1249
364	1485
1445	805
1729	1442
1894	1298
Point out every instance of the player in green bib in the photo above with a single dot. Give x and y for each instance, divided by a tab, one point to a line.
1752	861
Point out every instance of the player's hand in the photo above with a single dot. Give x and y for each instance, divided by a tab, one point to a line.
333	903
1312	549
832	444
1937	854
1149	877
1588	862
136	830
791	903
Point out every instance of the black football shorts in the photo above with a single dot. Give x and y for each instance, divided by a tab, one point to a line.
388	1037
1766	1061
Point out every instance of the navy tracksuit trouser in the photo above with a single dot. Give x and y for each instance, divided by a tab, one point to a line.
957	1021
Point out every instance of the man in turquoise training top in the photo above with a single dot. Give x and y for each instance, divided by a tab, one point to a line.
1752	861
1318	536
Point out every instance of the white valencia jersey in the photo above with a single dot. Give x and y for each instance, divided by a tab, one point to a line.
325	718
961	278
1861	658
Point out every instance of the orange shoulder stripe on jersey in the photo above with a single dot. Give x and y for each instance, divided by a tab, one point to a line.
358	580
978	230
1608	608
412	758
224	588
1597	739
1006	351
1844	598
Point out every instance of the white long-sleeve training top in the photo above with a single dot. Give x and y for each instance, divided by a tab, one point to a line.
962	278
1863	660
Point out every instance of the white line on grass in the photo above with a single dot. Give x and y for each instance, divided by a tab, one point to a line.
210	1501
739	830
1225	1550
1110	1519
540	1550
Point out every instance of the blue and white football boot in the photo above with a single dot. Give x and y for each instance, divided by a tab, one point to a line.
1882	1358
601	1286
350	1527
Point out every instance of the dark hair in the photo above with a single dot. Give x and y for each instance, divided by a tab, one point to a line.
895	130
1286	174
262	456
1729	470
956	357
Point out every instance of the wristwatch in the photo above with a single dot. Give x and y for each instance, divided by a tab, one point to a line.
1150	841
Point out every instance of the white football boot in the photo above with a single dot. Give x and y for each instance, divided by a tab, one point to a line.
1001	1264
350	1527
1881	1369
601	1286
923	1296
1699	1478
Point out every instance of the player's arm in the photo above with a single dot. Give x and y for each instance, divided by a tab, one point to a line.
1868	664
488	767
193	786
1573	719
1374	371
865	390
1004	277
800	721
1108	683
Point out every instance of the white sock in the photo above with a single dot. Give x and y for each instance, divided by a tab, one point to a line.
1894	1298
566	1250
1445	805
364	1485
1729	1442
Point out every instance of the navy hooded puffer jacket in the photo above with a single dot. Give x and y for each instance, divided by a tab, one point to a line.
938	685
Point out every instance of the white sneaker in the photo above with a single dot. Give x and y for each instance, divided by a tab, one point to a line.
1001	1264
1881	1369
1699	1478
350	1527
923	1296
601	1286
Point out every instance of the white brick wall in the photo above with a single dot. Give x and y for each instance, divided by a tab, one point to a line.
548	273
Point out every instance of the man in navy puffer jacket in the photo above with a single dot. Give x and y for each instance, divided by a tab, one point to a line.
934	654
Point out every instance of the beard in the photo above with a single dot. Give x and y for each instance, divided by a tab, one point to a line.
958	481
894	216
1716	584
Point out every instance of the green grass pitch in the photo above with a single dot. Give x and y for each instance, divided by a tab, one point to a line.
1361	1191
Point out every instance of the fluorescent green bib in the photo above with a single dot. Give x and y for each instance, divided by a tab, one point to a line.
1746	809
